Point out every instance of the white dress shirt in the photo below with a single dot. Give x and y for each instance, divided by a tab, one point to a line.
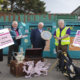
40	30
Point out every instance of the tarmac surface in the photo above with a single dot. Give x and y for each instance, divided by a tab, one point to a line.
53	74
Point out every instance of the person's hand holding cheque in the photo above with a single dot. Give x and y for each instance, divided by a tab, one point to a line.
9	29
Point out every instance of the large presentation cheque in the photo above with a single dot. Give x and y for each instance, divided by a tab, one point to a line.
76	41
5	38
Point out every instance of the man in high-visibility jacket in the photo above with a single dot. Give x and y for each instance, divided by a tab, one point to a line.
62	36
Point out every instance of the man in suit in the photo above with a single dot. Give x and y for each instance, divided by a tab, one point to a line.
36	39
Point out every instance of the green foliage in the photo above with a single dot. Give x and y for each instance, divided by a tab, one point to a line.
35	6
24	6
1	1
5	6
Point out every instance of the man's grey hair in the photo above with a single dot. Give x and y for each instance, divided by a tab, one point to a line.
41	23
15	22
61	20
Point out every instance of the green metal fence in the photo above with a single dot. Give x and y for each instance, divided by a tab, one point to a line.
65	17
35	17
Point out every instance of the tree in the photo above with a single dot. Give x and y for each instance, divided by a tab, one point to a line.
12	4
19	6
1	1
35	6
25	6
39	8
5	6
30	6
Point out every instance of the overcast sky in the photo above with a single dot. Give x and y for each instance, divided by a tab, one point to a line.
61	6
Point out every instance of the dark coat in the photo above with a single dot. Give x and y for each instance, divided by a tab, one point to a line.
13	34
1	54
36	39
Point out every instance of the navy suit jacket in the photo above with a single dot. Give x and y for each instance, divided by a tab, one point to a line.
36	39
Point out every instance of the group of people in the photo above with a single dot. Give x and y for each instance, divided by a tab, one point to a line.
61	35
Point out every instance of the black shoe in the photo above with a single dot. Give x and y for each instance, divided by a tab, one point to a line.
8	65
0	72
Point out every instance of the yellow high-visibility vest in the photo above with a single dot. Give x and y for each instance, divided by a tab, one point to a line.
65	41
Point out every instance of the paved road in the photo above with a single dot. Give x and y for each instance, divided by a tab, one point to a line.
52	75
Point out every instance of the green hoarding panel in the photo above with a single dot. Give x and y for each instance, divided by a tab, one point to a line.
66	18
48	26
